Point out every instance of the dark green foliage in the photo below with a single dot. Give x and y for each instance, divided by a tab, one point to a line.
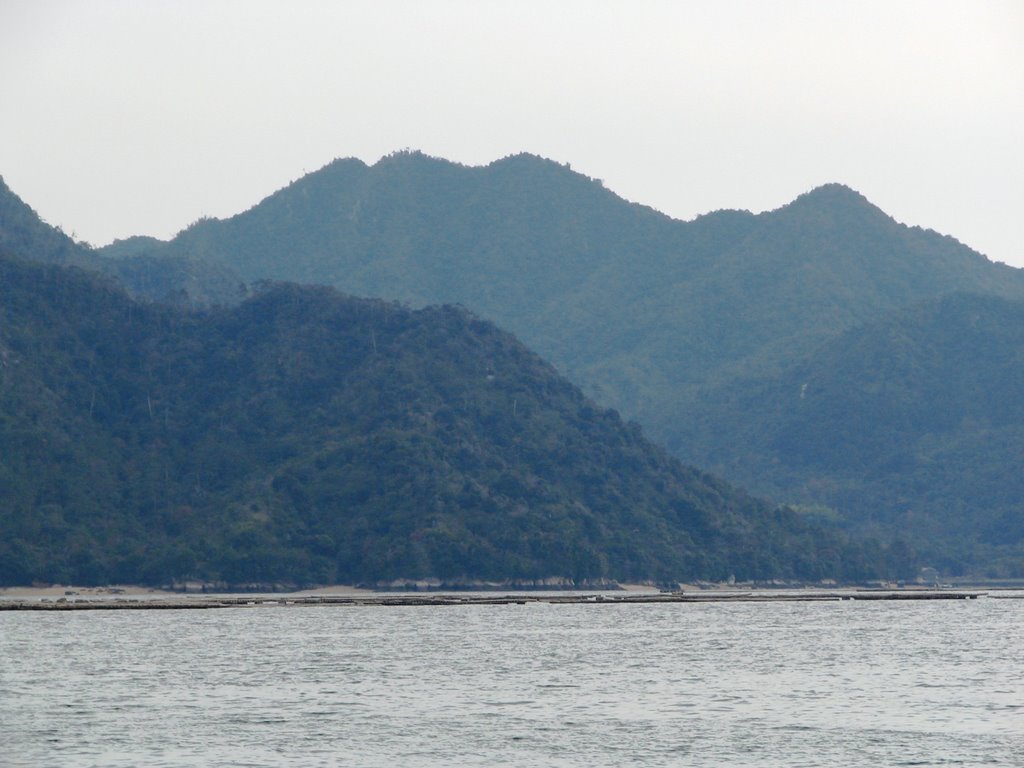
914	423
303	436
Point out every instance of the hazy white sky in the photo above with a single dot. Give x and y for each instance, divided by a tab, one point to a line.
138	117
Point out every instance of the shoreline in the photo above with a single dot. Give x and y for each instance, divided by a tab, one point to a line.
353	597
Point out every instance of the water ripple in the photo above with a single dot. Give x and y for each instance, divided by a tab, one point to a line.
768	685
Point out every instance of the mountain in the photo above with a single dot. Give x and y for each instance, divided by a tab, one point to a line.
152	276
303	436
639	309
912	423
667	321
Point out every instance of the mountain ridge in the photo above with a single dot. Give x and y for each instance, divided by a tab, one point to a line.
650	315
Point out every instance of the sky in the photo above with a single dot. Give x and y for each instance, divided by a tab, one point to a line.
120	118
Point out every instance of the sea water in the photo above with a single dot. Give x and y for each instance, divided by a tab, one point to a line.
847	683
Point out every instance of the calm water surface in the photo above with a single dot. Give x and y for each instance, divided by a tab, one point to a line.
777	684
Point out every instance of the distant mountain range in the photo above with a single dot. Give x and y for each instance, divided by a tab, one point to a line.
671	322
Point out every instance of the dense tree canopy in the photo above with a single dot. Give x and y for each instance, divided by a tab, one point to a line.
304	436
913	423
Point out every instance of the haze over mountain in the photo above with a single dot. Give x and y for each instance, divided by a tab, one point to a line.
307	437
656	317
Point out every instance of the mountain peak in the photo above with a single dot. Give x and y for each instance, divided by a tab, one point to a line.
832	194
525	158
412	158
836	202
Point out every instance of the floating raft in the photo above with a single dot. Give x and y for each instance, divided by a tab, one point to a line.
198	602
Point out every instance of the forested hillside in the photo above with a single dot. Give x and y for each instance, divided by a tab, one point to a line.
306	437
913	423
671	322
